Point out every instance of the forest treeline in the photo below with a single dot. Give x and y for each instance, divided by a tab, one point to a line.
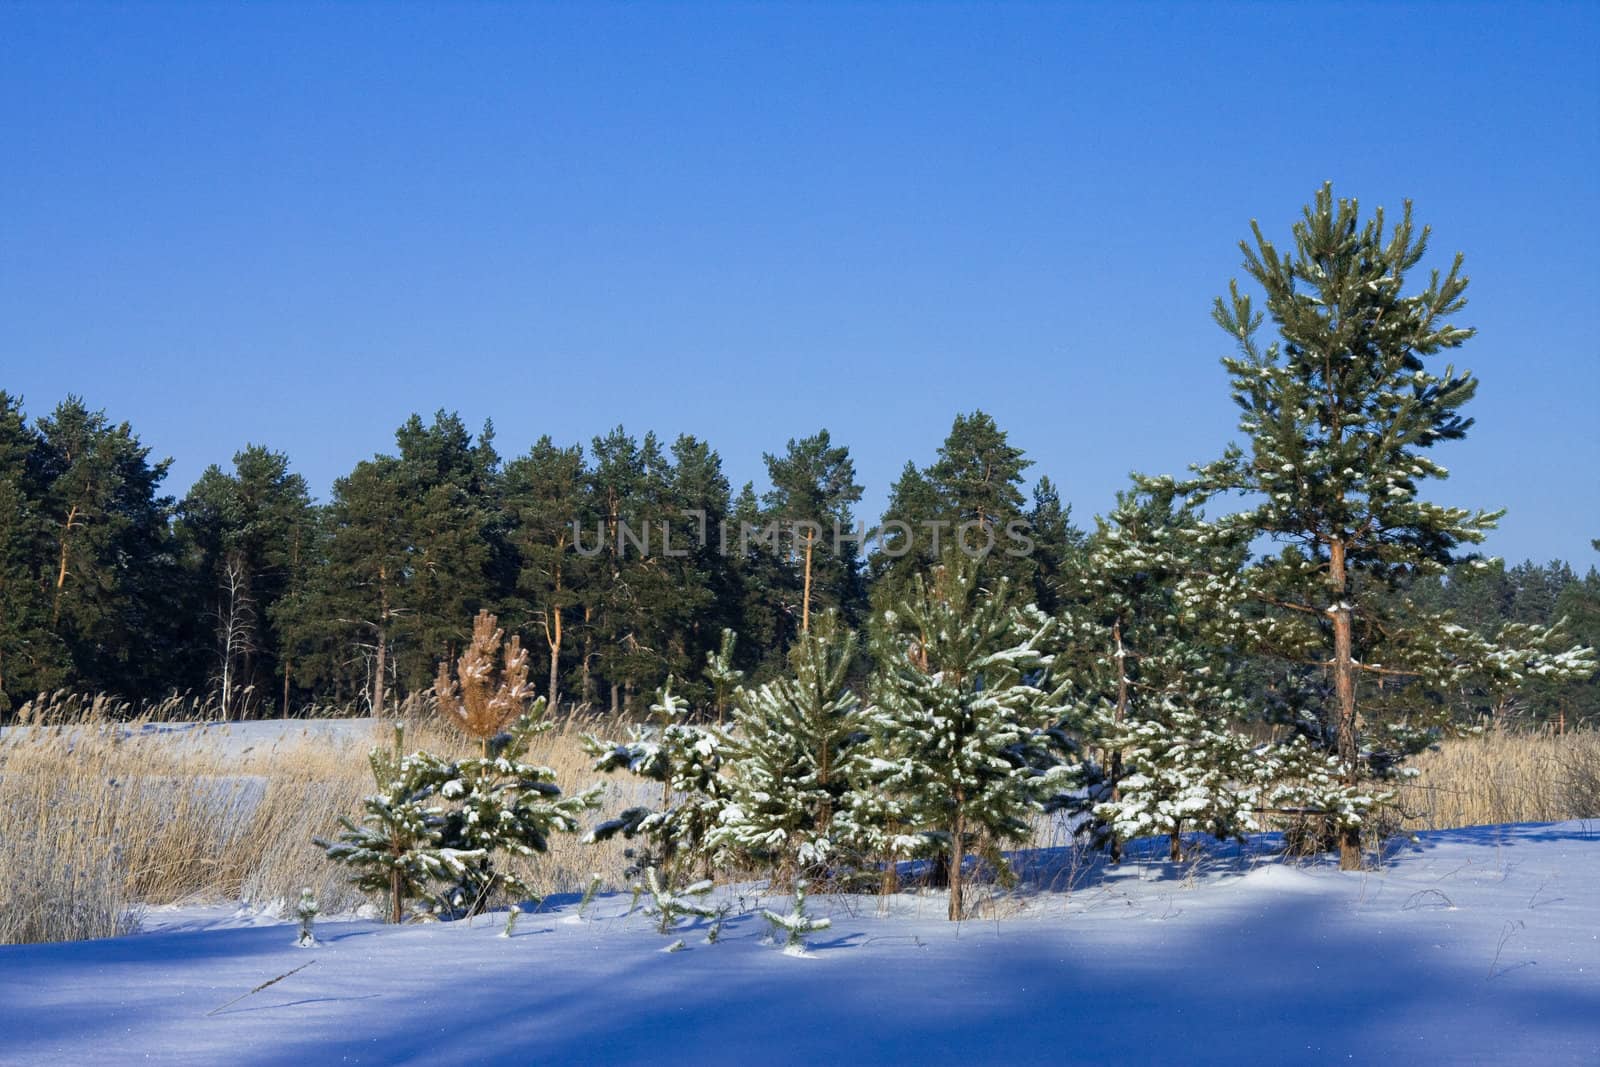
248	592
620	562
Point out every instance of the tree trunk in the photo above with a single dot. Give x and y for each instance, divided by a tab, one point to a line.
805	600
587	653
1344	684
377	676
1175	846
957	856
61	569
396	902
552	634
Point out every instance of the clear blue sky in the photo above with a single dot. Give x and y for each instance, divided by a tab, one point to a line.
296	225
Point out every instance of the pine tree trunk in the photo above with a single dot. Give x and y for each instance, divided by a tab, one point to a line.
61	570
377	676
1175	846
587	653
554	636
1344	684
805	600
396	902
957	856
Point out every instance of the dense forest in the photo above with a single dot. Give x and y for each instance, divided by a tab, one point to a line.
620	563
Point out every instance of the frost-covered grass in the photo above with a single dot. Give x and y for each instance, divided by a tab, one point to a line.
1469	946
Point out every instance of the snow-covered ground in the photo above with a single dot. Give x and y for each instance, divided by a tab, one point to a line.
1471	946
250	737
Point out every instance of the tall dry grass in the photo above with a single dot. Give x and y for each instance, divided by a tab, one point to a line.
1504	777
100	817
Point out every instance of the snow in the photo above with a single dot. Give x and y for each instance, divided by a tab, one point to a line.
1468	946
249	737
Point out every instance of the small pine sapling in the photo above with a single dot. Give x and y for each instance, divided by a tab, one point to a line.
669	907
795	924
399	848
686	758
507	806
714	934
307	911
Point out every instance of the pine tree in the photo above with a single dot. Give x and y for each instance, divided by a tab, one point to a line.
1341	414
248	529
546	506
398	849
433	831
306	911
506	806
110	570
1154	622
968	501
669	907
32	658
791	757
725	679
795	924
961	732
813	487
686	759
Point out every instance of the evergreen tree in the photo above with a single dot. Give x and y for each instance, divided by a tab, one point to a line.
961	731
1154	623
31	657
813	487
435	827
1341	414
111	572
686	759
398	848
759	577
796	923
968	501
248	529
791	757
546	507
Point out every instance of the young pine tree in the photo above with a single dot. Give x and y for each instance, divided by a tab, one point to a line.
961	734
791	756
1153	621
685	758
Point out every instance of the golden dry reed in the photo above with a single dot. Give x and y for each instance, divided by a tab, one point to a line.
101	817
1503	777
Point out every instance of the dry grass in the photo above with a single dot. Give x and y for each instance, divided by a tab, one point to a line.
1505	777
100	817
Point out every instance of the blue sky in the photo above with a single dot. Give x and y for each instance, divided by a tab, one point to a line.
296	225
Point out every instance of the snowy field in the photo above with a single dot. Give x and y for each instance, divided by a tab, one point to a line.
253	737
1470	946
